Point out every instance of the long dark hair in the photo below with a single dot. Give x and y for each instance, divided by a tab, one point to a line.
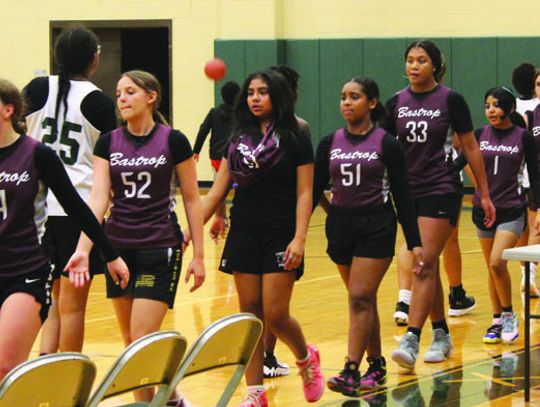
437	58
10	95
371	90
74	53
285	122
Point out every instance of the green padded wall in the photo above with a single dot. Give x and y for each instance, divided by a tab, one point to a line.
474	65
340	60
303	56
475	71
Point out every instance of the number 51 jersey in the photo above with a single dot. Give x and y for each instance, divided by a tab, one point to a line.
73	139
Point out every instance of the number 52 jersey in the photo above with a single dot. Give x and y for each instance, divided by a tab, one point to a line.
72	138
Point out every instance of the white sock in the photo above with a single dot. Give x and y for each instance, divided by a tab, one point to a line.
405	296
305	359
496	321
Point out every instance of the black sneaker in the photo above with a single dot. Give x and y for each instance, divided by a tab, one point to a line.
401	316
460	306
273	367
347	382
375	376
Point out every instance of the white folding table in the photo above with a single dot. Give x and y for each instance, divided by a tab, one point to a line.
526	254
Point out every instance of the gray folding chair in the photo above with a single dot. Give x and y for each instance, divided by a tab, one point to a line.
149	361
56	380
228	341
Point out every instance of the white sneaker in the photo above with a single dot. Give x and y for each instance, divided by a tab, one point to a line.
441	348
273	367
510	327
407	353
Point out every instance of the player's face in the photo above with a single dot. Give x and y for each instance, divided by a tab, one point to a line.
495	113
537	86
419	67
355	106
132	100
258	99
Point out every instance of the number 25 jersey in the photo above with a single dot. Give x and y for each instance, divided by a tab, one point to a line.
72	139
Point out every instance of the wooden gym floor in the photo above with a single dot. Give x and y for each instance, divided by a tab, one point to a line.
477	374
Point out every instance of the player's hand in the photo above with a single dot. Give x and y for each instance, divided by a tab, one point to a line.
293	254
489	211
119	272
418	260
196	268
77	267
218	227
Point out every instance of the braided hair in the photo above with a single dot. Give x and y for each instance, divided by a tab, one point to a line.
74	53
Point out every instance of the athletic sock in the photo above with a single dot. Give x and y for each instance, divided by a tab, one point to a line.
441	325
404	296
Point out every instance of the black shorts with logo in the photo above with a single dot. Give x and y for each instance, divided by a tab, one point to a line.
153	274
37	283
60	241
371	235
257	251
439	207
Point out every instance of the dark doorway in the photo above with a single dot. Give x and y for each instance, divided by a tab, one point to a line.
128	45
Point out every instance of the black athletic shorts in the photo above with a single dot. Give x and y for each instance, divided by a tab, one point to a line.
439	207
37	283
153	274
360	235
257	251
60	241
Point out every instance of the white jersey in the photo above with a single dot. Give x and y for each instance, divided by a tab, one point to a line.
522	105
76	137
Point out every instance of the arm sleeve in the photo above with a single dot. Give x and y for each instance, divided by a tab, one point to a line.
99	110
204	129
303	150
35	94
388	122
394	158
180	147
531	158
52	172
530	118
460	115
101	149
322	168
460	162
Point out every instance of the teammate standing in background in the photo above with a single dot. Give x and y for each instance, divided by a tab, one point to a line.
504	147
27	169
271	160
140	165
364	164
68	113
218	122
420	116
459	302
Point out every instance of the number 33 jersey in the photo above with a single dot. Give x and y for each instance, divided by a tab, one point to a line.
72	138
421	122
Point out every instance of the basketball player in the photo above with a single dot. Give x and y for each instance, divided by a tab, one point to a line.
68	113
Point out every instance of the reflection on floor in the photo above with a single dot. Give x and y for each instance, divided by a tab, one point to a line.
470	385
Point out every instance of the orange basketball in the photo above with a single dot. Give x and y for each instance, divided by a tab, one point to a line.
215	69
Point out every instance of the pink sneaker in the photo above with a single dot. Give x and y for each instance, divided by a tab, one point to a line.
256	399
311	375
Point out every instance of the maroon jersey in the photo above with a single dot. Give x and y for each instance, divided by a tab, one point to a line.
143	182
422	122
534	127
357	170
504	156
22	210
